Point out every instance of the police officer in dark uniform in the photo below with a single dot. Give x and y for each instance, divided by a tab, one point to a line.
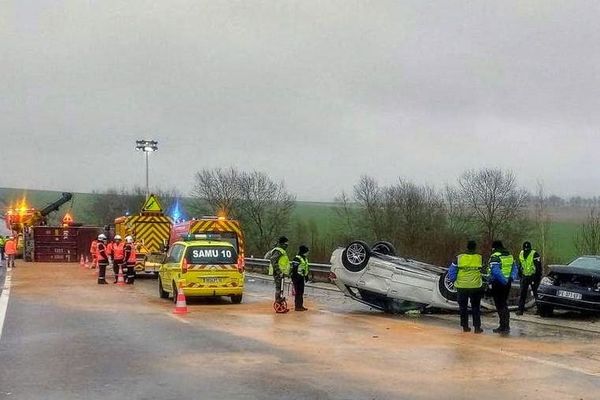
503	271
300	276
530	271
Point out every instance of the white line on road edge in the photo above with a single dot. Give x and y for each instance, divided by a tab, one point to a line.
539	361
4	299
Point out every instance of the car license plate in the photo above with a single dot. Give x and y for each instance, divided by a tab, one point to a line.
569	295
212	280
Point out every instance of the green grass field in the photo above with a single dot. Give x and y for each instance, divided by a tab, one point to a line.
320	215
561	242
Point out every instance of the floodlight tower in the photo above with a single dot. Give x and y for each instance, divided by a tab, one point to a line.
147	146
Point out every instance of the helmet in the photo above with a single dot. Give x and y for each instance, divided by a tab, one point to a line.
102	236
129	239
117	237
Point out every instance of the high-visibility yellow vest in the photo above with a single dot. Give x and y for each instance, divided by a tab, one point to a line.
527	265
283	263
506	263
469	271
303	266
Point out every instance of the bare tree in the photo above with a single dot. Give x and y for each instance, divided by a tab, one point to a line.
457	212
264	207
369	196
112	203
346	213
109	204
587	240
216	191
496	203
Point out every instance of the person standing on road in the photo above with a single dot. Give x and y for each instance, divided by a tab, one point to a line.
10	249
468	283
531	274
93	253
2	240
130	259
502	272
102	255
279	266
300	271
116	251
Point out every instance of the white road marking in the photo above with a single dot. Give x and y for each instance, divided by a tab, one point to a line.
178	318
549	363
4	299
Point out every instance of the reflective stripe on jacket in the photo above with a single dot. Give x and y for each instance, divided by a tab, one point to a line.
469	271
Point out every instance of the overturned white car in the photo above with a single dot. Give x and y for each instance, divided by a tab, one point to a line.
376	276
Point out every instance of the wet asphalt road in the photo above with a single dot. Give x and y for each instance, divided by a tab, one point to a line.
67	338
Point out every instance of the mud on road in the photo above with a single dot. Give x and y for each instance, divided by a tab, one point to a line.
67	337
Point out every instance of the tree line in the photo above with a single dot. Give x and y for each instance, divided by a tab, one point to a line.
423	222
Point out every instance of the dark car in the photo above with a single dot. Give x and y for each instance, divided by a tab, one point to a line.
575	286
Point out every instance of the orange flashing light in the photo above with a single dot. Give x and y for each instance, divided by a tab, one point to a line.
67	219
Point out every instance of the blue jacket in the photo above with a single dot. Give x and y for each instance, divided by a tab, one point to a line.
496	272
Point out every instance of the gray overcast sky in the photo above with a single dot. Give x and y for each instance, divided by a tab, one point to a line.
313	92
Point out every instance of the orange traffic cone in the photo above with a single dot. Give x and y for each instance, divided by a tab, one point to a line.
181	305
81	262
87	262
120	280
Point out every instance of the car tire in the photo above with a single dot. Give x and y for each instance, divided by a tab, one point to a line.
383	247
161	292
545	310
174	292
355	256
236	298
447	289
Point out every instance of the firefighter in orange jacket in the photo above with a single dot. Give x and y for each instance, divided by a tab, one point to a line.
102	257
116	252
93	253
10	250
130	258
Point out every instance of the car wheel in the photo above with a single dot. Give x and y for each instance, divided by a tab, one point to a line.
385	248
355	256
161	292
236	299
545	310
447	288
174	292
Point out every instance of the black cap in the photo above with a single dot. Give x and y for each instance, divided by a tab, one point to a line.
283	240
527	246
471	245
497	244
303	249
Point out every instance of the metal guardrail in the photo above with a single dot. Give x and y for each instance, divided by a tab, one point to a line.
316	270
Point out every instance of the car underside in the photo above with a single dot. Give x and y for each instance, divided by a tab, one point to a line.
376	276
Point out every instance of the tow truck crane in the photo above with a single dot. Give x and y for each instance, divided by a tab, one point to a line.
21	217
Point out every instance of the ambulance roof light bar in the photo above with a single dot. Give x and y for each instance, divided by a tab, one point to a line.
201	236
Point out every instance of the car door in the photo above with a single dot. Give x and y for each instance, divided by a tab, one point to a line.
171	266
